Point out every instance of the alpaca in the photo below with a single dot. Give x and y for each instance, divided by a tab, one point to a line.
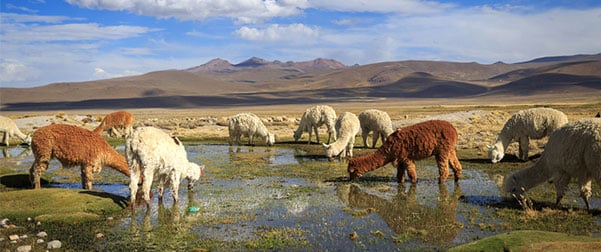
9	127
313	118
152	152
572	151
404	146
250	125
72	146
115	122
377	121
534	123
347	127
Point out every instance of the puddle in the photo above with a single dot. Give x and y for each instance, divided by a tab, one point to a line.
247	190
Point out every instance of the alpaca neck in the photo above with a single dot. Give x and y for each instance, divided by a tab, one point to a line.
99	129
116	161
372	162
503	140
20	134
533	176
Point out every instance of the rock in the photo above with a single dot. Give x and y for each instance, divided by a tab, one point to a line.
24	248
109	218
23	237
55	244
42	234
13	237
4	223
354	236
38	241
99	235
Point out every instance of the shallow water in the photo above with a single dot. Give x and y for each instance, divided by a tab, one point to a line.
246	190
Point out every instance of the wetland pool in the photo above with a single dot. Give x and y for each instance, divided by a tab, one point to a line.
288	198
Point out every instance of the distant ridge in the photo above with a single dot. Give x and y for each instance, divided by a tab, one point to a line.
578	57
218	66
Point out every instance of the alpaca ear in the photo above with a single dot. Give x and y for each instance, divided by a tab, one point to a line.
326	146
176	140
489	146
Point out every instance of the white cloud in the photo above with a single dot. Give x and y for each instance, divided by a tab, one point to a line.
294	33
13	71
405	7
69	32
245	11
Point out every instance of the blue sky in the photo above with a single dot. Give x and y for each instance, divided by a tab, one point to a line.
47	41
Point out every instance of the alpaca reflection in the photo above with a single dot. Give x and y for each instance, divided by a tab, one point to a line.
405	215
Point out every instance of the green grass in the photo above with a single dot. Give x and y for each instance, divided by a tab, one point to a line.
527	240
64	205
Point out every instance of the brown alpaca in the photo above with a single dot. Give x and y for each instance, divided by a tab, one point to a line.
404	146
72	145
116	121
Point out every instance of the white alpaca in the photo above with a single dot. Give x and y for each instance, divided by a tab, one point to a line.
573	151
313	118
10	129
347	127
534	123
151	152
249	125
377	121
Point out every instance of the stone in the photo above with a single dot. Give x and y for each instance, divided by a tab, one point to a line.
42	234
24	248
13	237
55	244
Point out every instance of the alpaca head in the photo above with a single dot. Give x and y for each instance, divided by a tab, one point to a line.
297	134
354	173
330	152
270	139
496	153
193	174
514	185
27	139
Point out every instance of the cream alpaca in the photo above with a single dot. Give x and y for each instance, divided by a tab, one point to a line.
10	129
377	121
250	125
152	152
347	127
534	123
313	118
573	151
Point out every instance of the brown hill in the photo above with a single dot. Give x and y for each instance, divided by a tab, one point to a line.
161	83
256	81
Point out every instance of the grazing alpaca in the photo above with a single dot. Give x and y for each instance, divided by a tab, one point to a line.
72	145
115	122
152	152
377	121
347	127
313	118
534	123
250	125
10	129
572	151
404	146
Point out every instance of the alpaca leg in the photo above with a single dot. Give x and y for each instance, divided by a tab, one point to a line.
561	183
250	139
364	134
411	171
35	172
310	131
5	138
455	165
146	186
133	187
87	176
585	191
161	188
401	168
374	139
350	147
443	168
316	129
524	148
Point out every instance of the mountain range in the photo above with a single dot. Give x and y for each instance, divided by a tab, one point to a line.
260	82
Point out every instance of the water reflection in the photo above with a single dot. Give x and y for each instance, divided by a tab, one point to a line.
406	214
